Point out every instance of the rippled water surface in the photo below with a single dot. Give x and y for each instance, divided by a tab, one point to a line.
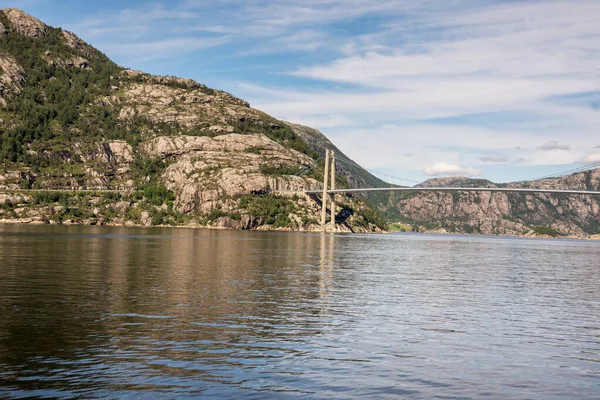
99	312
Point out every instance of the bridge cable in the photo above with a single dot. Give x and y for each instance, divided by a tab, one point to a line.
354	164
309	167
570	171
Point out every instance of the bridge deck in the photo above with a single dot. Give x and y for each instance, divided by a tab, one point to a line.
458	189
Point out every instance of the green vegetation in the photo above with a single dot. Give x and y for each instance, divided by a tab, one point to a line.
147	169
400	227
53	96
51	197
101	207
6	205
546	230
277	131
216	213
175	83
158	195
368	215
273	210
363	215
278	170
254	150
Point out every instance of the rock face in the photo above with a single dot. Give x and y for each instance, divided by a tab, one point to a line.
505	213
73	41
25	24
12	77
183	102
206	170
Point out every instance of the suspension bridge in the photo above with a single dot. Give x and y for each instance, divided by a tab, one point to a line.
329	191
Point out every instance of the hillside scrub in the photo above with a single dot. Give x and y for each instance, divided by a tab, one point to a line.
546	230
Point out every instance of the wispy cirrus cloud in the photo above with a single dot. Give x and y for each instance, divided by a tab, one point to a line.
497	59
165	48
493	159
456	83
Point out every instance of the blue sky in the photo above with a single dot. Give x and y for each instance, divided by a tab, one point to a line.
502	90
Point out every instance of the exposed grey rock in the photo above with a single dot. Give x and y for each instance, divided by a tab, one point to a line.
25	24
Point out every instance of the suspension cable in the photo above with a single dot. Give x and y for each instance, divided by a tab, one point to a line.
570	171
354	164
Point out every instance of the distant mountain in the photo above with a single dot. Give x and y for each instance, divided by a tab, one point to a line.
501	213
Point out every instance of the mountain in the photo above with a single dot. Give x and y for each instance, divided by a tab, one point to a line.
173	150
176	152
502	213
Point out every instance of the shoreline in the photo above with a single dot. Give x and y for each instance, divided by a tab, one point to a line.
526	236
263	228
29	221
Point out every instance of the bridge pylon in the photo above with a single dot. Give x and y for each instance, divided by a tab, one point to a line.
329	163
332	188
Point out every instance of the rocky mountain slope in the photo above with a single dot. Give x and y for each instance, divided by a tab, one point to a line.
174	151
502	213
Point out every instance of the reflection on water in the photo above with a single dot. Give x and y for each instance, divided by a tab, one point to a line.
118	312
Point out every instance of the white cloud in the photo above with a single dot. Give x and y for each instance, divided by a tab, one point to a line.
162	49
592	159
439	169
553	145
301	41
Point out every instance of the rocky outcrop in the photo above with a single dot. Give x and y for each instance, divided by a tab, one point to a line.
204	170
78	62
74	42
184	102
456	182
12	77
75	62
25	24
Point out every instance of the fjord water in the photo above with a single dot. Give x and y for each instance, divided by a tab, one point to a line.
99	312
